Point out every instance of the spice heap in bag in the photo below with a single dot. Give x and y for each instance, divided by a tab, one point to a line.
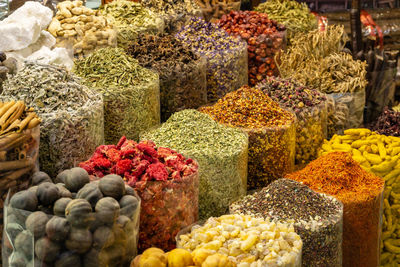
81	28
214	9
72	114
75	222
131	92
264	38
271	130
388	123
318	218
166	181
361	193
130	19
220	151
310	107
182	73
245	240
226	56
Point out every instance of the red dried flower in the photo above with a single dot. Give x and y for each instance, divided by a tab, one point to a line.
123	166
121	142
147	149
102	163
157	171
113	155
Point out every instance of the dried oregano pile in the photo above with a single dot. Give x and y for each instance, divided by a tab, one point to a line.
131	92
220	151
72	114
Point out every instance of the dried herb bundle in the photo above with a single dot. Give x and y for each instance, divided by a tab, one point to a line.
182	73
131	92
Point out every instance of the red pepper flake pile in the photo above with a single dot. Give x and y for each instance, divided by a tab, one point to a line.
271	132
264	38
360	192
165	180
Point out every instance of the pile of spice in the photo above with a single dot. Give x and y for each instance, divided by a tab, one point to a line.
166	181
271	130
378	154
226	56
310	107
388	123
318	218
130	19
264	38
131	92
248	241
294	15
213	9
361	193
182	73
82	28
220	151
174	12
72	114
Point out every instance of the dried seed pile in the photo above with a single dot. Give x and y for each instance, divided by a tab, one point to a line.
226	56
130	19
318	218
361	193
388	123
310	108
271	132
131	92
72	114
182	72
264	38
220	151
214	9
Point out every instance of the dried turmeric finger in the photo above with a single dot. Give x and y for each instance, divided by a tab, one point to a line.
372	158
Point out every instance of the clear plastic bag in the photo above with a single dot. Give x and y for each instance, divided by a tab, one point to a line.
338	113
355	103
167	207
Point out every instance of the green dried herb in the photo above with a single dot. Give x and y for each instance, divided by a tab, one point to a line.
72	114
220	151
131	92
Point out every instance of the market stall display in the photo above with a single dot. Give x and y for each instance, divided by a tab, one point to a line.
294	15
80	27
215	9
97	225
388	123
310	107
264	37
271	131
220	151
131	92
175	13
226	56
72	114
318	218
130	19
182	73
247	241
166	181
361	193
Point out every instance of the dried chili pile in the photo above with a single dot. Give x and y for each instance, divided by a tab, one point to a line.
182	73
318	218
264	38
271	131
166	181
361	193
388	123
226	56
310	107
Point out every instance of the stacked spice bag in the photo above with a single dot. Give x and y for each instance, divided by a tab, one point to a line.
361	193
131	92
220	151
226	56
264	38
182	73
166	181
72	114
73	223
310	108
318	218
271	130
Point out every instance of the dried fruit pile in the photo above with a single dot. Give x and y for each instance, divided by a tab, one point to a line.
264	38
166	181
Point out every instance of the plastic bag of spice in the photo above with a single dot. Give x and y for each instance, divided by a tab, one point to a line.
355	102
79	223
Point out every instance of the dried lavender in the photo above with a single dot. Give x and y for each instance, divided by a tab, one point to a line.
388	123
72	114
318	218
